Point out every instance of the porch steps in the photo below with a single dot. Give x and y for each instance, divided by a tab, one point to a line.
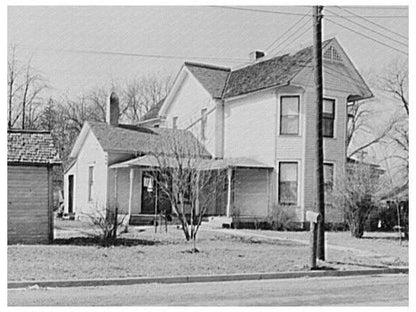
142	219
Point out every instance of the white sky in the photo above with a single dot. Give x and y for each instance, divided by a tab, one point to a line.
40	31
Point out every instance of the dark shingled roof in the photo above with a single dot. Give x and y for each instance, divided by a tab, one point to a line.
213	78
154	111
135	139
264	74
31	147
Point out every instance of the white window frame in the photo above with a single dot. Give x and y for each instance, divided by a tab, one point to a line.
299	175
335	116
90	183
279	115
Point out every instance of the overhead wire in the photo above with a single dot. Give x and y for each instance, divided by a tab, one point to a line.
116	53
282	48
374	23
366	36
258	10
299	14
368	28
286	32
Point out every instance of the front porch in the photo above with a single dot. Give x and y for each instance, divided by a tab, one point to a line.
247	190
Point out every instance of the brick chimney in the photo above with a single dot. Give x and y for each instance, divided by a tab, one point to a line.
256	55
112	109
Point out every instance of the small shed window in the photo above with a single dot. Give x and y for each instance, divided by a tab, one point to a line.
90	181
203	123
288	183
328	118
175	122
289	115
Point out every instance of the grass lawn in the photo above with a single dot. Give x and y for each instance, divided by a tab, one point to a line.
145	253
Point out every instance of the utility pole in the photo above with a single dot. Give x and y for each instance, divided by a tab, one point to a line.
320	192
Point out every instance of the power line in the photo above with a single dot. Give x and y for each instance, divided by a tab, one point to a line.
368	28
287	31
375	24
368	37
369	7
291	42
257	10
114	53
300	14
373	16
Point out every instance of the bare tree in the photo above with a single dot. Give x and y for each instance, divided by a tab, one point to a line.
361	127
141	94
187	178
358	191
25	86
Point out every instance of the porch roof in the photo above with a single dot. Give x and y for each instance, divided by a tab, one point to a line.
203	164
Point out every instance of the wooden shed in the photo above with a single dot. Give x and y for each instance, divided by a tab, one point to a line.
31	156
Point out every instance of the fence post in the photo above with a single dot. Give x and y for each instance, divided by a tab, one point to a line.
314	218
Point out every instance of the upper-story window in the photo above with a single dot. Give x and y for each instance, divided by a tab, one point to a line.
328	118
289	114
175	122
203	123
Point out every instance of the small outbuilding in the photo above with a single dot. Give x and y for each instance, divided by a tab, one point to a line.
31	156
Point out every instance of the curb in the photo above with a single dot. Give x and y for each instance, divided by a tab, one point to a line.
203	278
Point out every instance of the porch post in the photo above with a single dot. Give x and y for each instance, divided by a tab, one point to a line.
131	188
115	187
229	176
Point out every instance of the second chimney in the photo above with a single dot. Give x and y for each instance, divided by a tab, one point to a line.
112	110
255	55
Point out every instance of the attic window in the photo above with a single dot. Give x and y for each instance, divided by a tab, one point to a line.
332	55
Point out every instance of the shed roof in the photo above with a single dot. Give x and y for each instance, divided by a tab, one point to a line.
31	147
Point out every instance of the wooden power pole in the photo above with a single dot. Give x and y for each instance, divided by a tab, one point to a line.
317	56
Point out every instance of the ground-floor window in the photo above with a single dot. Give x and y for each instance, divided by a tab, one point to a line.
288	183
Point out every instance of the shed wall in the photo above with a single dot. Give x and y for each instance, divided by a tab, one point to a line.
29	213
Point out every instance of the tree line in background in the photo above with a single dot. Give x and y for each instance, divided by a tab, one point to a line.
29	107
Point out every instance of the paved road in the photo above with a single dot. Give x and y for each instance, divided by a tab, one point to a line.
381	290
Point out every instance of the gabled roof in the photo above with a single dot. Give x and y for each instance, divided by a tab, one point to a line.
212	78
31	147
264	74
153	112
135	139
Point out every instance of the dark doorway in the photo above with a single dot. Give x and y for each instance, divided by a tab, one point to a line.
150	191
70	193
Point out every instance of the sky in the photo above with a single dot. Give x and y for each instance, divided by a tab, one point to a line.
54	36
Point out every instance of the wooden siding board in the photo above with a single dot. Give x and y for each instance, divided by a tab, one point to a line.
29	208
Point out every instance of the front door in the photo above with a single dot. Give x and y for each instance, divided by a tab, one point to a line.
148	196
150	190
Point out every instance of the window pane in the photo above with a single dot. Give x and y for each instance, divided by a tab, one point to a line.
290	105
288	193
289	125
288	172
328	173
328	127
328	106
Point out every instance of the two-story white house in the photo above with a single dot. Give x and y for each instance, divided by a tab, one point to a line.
258	121
265	112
